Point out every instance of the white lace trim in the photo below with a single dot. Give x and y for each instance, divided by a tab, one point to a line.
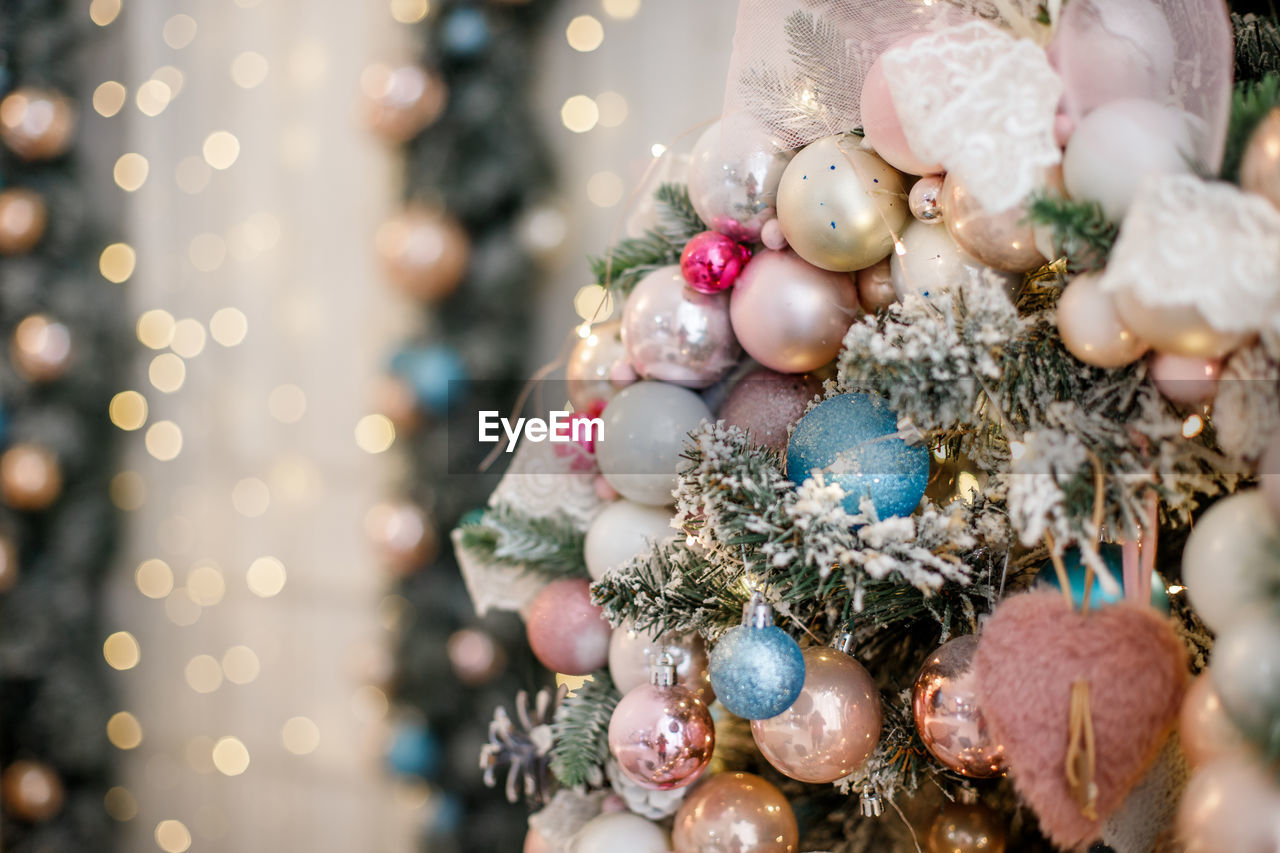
981	103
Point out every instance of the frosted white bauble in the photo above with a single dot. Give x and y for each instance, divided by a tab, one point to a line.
931	261
621	531
1229	562
1090	326
1118	145
620	832
645	428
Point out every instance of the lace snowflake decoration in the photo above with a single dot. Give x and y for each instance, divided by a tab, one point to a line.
1188	242
981	103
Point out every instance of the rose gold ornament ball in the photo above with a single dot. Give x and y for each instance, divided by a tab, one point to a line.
1002	240
402	534
41	348
31	790
1260	168
1204	728
1091	327
399	102
22	220
875	287
735	811
965	828
424	252
37	124
30	478
947	716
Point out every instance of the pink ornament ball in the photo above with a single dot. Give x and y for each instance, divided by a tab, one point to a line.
1186	378
662	737
767	404
1231	804
882	127
568	634
711	262
1204	728
772	237
534	842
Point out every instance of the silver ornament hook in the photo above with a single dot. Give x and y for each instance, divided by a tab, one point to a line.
757	613
663	672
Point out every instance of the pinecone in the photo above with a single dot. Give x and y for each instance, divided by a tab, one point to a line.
522	745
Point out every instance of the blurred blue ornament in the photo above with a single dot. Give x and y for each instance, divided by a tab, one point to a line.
435	373
1113	556
756	669
475	515
446	813
413	751
464	32
853	439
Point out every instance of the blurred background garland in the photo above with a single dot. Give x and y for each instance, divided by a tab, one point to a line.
62	326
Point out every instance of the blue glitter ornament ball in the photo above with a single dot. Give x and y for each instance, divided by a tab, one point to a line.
1113	556
756	672
853	440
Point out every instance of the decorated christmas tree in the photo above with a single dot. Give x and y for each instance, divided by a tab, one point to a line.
935	505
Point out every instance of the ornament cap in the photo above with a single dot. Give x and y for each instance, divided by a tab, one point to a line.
662	673
757	613
871	803
967	795
843	642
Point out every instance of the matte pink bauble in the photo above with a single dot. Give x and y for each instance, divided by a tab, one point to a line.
1090	327
662	735
882	127
944	702
833	725
735	811
766	404
1005	241
772	237
590	367
632	652
677	335
1231	805
875	287
1204	728
568	634
711	262
1185	379
789	315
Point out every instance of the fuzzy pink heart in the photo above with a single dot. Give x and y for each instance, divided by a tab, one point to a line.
1029	654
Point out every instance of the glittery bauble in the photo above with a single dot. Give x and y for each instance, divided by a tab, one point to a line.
8	564
1224	558
622	530
925	199
948	719
875	287
475	656
568	634
591	363
853	440
675	334
767	404
736	812
1113	556
711	262
1185	379
424	252
840	206
882	126
1003	241
789	315
662	737
1231	805
1205	730
402	534
619	832
833	725
645	428
1121	143
932	262
22	220
965	828
30	478
1246	674
756	672
632	652
1091	328
399	102
41	348
1179	329
37	124
31	790
1260	168
733	178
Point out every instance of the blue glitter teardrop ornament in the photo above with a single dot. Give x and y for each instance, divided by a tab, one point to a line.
853	439
756	669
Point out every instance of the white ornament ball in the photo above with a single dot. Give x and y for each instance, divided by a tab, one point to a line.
1246	673
622	530
1231	805
931	261
1229	559
645	428
1118	145
1091	328
1177	329
620	832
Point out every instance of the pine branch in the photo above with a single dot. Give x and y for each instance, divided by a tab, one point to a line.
635	257
1081	232
1251	102
549	546
1257	47
580	733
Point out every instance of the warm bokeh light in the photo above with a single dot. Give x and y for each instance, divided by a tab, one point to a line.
207	251
221	149
116	263
230	756
265	577
409	11
130	171
179	31
153	97
172	836
188	338
120	804
205	584
103	12
180	609
154	578
375	433
250	497
579	113
109	98
167	372
192	174
584	33
249	69
300	735
621	10
613	108
199	754
605	189
128	410
164	440
287	403
155	328
593	302
369	703
124	731
228	326
203	674
240	665
121	651
128	491
171	77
